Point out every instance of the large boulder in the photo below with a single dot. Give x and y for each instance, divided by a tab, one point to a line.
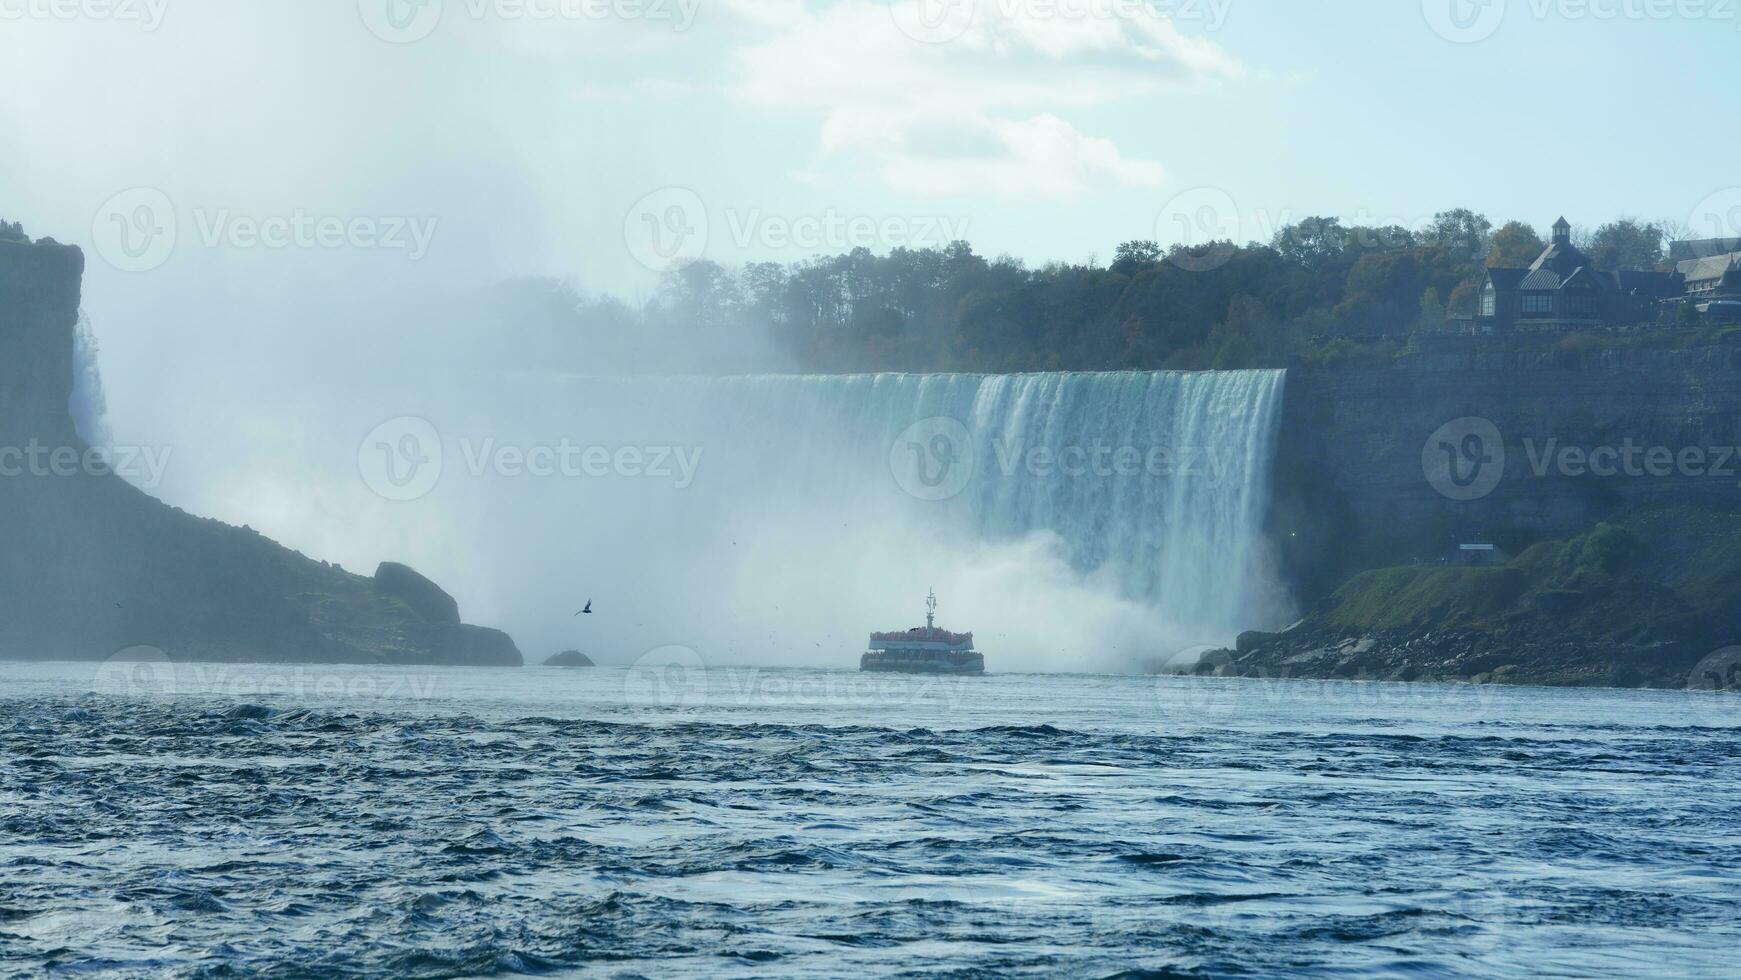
428	600
474	646
570	658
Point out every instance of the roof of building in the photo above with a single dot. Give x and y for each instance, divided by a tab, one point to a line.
1702	248
1649	283
1715	267
1540	279
1602	282
1563	257
1506	278
1562	265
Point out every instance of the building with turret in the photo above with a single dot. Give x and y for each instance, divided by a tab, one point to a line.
1564	290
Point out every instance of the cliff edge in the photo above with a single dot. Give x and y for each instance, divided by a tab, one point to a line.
90	565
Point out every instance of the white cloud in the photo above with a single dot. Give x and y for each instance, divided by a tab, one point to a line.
1043	156
979	110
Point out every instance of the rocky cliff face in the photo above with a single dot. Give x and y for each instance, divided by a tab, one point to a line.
1606	483
1384	466
39	307
89	565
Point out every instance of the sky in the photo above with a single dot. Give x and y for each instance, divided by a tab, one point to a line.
531	133
279	199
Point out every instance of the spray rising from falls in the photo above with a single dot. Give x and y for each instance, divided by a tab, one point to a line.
1154	483
1090	521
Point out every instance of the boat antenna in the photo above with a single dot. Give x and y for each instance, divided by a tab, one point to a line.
931	610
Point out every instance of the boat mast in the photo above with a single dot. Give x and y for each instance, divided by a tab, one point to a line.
931	611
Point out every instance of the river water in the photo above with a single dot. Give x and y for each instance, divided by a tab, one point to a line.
223	820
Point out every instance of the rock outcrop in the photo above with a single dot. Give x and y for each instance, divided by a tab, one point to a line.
570	658
425	598
90	565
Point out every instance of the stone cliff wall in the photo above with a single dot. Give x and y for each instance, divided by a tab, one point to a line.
90	565
1575	437
39	308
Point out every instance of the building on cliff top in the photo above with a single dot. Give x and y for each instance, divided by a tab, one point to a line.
1717	277
1564	290
1701	248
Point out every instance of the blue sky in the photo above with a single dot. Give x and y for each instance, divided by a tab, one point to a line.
1039	133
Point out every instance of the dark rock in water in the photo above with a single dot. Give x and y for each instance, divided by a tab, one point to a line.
570	658
91	565
425	598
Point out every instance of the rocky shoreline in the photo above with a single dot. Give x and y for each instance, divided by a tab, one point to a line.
1451	655
1655	604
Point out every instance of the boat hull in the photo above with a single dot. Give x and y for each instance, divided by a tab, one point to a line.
954	665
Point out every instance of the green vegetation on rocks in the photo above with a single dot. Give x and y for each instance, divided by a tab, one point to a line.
1635	605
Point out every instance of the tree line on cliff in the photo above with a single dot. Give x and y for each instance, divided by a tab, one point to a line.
1316	291
1317	287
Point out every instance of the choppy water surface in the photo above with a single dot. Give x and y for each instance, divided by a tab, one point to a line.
350	822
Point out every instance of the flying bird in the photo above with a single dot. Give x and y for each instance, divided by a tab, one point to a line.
587	611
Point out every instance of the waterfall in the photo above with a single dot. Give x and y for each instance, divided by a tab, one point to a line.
1156	482
87	406
1092	521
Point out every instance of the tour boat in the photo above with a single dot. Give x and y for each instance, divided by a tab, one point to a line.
923	650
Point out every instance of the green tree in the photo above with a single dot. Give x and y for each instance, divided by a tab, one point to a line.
1515	246
1463	298
12	231
1135	255
1461	232
1432	312
1627	244
1315	243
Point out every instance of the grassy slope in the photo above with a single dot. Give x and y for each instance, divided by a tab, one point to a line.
1668	573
